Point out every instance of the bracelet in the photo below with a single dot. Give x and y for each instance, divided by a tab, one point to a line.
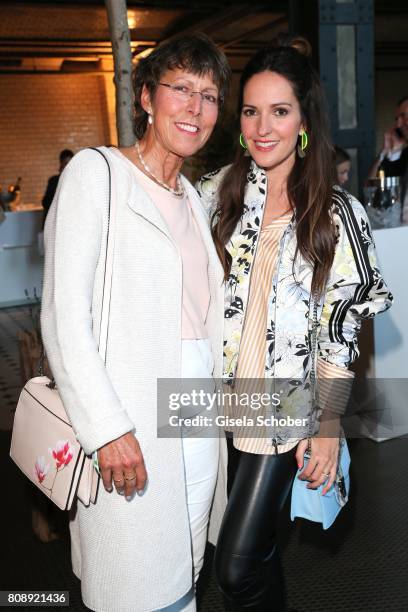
95	461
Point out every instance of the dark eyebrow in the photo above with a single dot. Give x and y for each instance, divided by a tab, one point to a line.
273	105
190	83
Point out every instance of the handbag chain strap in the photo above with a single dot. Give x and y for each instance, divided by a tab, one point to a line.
339	478
312	377
107	278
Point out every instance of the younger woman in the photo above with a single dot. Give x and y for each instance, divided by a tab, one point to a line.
294	250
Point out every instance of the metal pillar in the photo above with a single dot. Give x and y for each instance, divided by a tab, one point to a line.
344	30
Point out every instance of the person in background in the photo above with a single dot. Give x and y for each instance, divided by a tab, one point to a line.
64	158
342	162
393	158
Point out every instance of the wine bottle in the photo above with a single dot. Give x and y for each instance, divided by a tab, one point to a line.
17	186
382	197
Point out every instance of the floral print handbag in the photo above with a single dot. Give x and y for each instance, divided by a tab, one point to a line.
44	445
45	448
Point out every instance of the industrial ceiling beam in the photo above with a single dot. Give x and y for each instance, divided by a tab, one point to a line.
212	24
255	32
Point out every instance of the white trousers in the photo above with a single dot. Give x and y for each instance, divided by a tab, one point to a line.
201	466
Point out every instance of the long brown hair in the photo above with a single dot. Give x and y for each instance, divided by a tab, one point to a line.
310	182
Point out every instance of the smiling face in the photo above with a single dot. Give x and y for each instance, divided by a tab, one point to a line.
182	123
271	120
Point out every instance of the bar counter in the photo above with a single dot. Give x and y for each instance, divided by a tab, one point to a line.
385	347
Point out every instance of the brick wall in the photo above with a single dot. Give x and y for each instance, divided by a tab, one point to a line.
42	114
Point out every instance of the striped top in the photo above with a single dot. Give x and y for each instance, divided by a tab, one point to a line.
251	361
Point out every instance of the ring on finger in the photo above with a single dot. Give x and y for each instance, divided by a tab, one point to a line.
130	478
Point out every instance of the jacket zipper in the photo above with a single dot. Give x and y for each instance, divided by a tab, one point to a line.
275	284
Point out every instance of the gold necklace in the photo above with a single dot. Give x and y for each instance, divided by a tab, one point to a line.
179	192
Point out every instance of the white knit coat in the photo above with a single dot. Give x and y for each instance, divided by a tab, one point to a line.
130	556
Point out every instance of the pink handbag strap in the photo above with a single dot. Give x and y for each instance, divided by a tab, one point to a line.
110	244
107	282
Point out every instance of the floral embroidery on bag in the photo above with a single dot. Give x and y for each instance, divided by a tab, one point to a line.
41	468
62	453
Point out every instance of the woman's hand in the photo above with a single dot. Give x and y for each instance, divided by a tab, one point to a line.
121	464
322	465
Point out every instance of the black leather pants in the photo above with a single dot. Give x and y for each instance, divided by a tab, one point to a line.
246	559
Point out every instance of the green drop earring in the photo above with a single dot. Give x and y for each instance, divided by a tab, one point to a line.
304	140
242	141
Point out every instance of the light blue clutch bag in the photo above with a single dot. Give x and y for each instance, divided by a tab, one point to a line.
312	505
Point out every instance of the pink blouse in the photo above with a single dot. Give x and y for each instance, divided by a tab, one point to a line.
179	218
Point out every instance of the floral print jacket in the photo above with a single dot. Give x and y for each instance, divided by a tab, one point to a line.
355	289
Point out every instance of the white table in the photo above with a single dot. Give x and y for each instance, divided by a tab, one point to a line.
390	358
21	267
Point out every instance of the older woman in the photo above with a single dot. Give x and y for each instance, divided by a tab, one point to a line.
140	552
